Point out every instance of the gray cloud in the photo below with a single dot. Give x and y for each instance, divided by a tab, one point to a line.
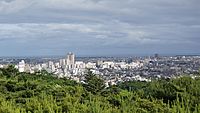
99	27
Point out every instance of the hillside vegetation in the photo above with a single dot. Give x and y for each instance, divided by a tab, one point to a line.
42	93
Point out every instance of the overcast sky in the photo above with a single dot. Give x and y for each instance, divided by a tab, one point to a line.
99	27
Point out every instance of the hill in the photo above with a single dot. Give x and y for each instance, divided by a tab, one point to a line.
41	92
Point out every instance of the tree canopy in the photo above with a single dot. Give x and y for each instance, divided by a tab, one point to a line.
93	83
43	93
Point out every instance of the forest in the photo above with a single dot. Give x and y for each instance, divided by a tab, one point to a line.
42	92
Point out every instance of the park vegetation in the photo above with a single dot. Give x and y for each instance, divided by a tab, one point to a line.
42	92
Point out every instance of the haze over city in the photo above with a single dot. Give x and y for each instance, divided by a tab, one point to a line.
99	27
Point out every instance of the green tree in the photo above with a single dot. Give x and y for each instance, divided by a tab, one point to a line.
93	83
9	71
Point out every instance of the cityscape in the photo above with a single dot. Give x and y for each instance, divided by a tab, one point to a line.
113	70
99	56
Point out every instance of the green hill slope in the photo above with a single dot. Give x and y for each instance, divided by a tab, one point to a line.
43	93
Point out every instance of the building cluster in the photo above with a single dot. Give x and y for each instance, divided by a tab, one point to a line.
114	70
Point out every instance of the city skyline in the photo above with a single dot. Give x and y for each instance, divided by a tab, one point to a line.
99	27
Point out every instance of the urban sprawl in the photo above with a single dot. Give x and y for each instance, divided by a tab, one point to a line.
112	69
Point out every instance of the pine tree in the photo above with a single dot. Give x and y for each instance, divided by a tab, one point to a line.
93	83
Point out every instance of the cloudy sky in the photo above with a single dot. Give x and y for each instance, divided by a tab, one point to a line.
99	27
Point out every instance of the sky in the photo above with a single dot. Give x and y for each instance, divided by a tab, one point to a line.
99	27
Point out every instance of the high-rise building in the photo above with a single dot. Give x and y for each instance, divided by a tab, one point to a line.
21	66
50	64
62	62
70	60
156	55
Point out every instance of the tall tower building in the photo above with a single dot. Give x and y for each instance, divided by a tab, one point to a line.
156	56
62	62
21	66
70	60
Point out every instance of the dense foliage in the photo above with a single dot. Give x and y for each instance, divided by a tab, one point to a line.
43	93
